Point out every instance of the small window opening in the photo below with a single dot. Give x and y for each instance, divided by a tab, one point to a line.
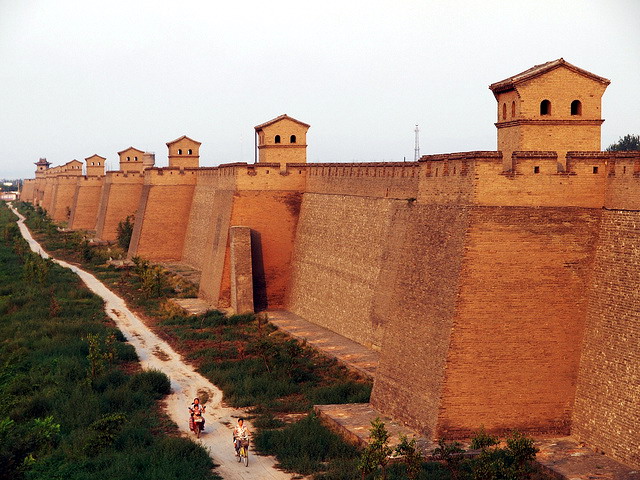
454	170
92	163
190	152
536	169
128	159
436	172
576	107
504	111
513	109
135	159
624	169
545	107
595	169
179	151
277	139
267	172
292	139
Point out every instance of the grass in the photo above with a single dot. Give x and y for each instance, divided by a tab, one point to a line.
69	409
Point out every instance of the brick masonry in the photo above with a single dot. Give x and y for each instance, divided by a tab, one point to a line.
500	288
607	407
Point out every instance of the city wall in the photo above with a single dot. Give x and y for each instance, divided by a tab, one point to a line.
119	198
163	213
86	201
607	406
490	288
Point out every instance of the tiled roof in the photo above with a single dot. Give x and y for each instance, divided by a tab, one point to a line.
182	138
277	119
130	148
509	83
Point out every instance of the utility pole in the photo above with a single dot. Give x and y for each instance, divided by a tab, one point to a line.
416	151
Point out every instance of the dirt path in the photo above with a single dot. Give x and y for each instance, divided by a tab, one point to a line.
186	383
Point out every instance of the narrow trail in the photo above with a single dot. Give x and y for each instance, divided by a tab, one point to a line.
186	383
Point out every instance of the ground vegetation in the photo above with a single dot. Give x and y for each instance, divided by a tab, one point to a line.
74	403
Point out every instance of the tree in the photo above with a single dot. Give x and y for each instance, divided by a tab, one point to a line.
625	144
376	455
125	231
413	457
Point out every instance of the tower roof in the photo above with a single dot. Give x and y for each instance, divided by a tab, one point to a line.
130	148
183	137
537	70
277	119
95	155
42	161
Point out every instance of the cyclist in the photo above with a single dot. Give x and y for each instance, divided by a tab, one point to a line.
240	433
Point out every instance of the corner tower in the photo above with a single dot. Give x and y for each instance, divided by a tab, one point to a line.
282	140
184	152
555	106
41	167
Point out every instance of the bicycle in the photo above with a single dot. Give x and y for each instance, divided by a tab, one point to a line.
242	452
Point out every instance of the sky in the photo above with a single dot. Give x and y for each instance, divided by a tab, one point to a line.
88	76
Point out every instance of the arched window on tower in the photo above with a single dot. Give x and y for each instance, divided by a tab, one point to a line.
545	107
513	109
504	111
190	152
179	151
292	139
576	107
277	139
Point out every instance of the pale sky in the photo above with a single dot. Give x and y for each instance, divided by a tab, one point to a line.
84	77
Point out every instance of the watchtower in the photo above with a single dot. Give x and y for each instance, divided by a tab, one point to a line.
282	140
555	106
184	152
131	160
41	167
95	165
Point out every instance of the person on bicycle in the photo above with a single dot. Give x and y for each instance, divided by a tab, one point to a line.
240	433
196	409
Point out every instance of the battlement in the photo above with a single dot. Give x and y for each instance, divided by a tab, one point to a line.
374	179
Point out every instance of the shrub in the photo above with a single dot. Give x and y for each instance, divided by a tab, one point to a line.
152	381
304	446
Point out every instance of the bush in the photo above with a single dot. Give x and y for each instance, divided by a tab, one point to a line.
303	447
152	381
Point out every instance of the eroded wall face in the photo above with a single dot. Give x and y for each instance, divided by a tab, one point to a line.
205	208
415	302
214	281
339	247
118	201
63	199
607	406
517	333
84	213
161	222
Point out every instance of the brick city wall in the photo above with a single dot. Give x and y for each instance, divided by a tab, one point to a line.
264	197
119	198
515	347
86	200
623	181
415	302
163	214
28	190
62	200
384	180
339	248
607	406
